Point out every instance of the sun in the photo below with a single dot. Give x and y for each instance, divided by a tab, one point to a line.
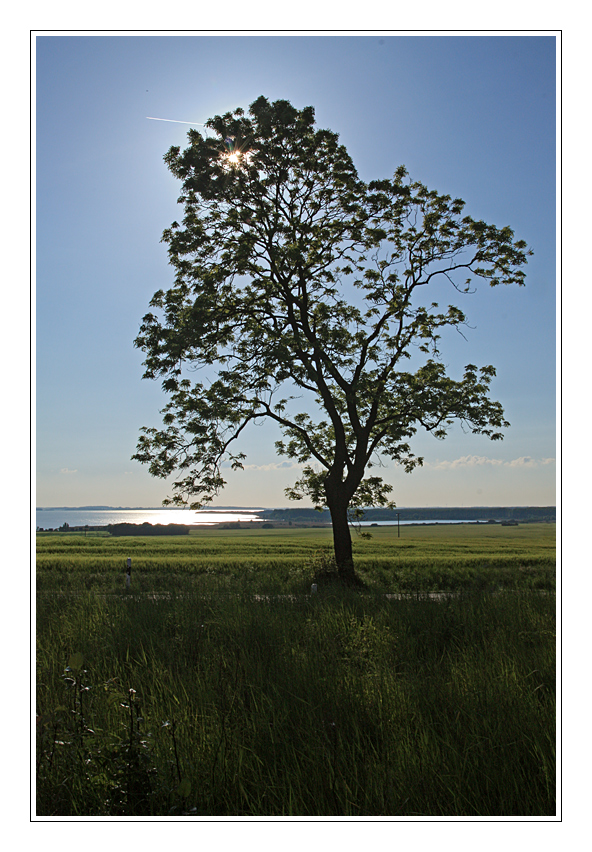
235	158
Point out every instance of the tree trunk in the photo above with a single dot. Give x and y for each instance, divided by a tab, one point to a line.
342	542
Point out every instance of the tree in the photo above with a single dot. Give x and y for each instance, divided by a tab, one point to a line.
294	276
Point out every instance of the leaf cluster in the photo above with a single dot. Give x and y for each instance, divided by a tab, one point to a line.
291	274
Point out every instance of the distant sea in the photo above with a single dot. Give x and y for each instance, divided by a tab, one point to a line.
51	519
54	518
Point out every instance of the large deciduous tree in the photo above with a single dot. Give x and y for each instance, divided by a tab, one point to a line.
302	292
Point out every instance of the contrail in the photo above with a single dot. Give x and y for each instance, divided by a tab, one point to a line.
194	123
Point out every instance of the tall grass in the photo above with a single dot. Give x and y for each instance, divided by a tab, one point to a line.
330	704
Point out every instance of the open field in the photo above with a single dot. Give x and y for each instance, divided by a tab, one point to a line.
424	558
205	700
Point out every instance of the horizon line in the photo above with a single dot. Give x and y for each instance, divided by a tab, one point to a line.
100	507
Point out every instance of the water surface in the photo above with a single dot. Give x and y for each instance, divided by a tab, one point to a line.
54	518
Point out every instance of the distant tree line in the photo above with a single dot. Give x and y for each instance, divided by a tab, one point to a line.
148	529
446	513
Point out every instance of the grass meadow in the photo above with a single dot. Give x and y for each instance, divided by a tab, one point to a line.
218	685
423	558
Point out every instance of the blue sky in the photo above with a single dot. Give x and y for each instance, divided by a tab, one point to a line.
470	115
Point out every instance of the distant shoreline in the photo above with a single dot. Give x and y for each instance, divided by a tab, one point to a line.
146	509
233	525
405	509
88	518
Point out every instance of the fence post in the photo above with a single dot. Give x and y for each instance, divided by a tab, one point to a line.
128	576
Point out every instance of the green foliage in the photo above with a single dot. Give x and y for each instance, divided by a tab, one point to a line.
82	770
334	704
295	281
221	687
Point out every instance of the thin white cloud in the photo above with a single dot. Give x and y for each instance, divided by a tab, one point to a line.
67	470
274	466
480	461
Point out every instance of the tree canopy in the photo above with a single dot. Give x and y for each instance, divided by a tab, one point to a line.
300	291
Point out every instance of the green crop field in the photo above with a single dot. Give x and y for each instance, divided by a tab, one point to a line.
423	558
219	685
